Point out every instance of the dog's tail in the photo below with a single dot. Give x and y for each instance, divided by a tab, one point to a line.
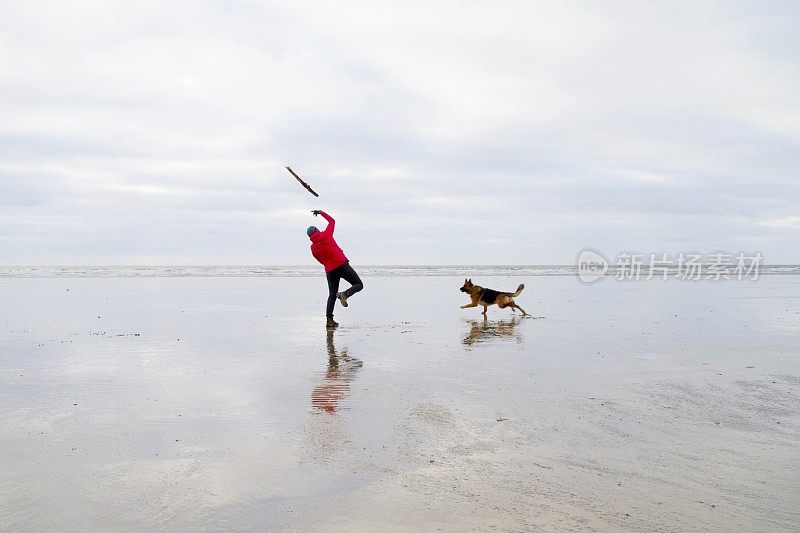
519	290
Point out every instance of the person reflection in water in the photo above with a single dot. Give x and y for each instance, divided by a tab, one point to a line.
486	331
335	384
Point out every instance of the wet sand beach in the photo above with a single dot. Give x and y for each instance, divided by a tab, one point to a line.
224	404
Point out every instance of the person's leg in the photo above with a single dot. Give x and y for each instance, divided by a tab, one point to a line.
351	277
333	288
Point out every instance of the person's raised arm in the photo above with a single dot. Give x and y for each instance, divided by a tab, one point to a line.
331	221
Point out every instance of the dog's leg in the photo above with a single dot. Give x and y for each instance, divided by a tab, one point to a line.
485	307
521	309
475	304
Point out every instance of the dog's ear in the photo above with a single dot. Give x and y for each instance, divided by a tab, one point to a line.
469	280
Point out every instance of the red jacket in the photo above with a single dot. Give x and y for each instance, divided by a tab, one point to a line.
324	248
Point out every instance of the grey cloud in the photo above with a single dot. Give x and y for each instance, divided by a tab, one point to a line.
158	132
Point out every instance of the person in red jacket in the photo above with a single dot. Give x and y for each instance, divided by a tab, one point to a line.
337	266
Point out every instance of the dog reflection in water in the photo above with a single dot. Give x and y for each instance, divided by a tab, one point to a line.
487	331
335	384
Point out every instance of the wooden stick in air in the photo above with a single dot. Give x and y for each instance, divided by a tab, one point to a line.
303	183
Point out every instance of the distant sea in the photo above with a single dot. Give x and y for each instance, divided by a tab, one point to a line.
303	271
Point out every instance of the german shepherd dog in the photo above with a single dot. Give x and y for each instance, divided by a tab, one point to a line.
487	297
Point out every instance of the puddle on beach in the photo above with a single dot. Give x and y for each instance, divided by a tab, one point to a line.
210	403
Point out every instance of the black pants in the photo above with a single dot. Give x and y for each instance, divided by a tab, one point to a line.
334	276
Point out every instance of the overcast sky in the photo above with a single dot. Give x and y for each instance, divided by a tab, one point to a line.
435	132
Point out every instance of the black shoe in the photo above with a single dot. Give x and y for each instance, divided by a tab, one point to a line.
342	298
331	323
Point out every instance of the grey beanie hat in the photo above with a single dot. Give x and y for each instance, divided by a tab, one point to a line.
310	230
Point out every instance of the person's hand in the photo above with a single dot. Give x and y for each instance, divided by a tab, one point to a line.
316	212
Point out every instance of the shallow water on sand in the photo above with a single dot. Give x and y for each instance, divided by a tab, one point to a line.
224	403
